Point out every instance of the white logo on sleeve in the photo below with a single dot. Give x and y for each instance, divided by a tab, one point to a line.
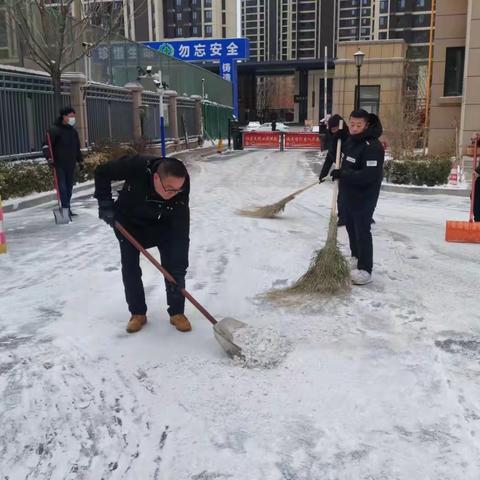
372	163
351	159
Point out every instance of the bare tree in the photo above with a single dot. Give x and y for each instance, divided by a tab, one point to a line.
55	34
266	93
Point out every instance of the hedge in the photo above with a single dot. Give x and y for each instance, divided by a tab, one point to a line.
420	171
18	179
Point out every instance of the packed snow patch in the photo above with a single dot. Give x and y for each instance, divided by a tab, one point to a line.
261	347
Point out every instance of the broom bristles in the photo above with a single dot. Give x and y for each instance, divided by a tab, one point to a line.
328	273
267	211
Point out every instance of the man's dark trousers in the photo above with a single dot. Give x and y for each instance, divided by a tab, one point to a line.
66	179
358	222
172	258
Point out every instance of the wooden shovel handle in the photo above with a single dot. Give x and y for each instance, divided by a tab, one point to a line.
164	272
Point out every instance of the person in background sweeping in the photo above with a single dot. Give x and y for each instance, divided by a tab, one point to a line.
360	178
66	153
153	206
332	136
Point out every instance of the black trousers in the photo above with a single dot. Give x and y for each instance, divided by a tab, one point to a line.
174	257
358	222
66	179
476	201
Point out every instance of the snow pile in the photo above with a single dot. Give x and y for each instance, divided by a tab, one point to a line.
261	347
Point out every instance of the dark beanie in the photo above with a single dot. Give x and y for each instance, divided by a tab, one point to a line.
66	111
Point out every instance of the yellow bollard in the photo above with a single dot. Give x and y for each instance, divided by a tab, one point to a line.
220	145
3	238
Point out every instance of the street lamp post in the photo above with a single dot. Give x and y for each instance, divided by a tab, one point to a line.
359	56
161	87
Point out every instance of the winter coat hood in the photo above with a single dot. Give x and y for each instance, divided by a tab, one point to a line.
374	130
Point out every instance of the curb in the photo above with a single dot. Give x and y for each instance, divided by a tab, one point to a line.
10	206
47	197
457	192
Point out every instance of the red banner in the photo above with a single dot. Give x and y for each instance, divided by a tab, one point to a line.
302	140
261	139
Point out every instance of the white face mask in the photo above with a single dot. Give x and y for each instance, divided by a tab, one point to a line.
72	121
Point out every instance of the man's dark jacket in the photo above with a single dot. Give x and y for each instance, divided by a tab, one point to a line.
362	166
138	205
65	144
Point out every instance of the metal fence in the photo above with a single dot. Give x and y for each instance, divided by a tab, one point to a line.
215	120
26	110
186	118
109	114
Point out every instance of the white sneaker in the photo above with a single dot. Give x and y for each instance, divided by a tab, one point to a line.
353	263
360	277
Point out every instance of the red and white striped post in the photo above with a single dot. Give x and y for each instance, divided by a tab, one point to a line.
3	238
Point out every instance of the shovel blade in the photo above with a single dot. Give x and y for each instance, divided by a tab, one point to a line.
61	215
224	332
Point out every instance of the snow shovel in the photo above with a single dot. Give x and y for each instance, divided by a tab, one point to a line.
465	232
224	330
61	215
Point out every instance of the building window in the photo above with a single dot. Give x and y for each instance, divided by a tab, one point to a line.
384	22
194	16
224	32
400	4
179	31
454	65
208	3
195	31
383	6
208	15
208	30
179	3
383	35
179	17
420	3
369	98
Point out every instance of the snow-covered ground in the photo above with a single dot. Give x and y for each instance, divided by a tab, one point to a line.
381	385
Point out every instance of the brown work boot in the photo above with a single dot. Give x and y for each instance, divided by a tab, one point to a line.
136	323
181	322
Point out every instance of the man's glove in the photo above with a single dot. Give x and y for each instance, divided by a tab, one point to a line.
336	174
106	212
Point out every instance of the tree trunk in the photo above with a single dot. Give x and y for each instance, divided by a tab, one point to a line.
57	91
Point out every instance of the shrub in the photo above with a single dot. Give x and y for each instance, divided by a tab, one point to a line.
18	179
428	171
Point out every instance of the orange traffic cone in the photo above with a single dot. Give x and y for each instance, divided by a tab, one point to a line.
453	178
3	238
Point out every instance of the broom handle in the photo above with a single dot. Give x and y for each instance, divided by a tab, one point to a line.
337	166
298	192
164	272
474	176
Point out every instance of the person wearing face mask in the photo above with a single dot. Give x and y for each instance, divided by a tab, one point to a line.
360	178
153	206
66	153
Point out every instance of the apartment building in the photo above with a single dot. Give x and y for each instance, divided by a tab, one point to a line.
455	102
288	29
155	20
409	20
